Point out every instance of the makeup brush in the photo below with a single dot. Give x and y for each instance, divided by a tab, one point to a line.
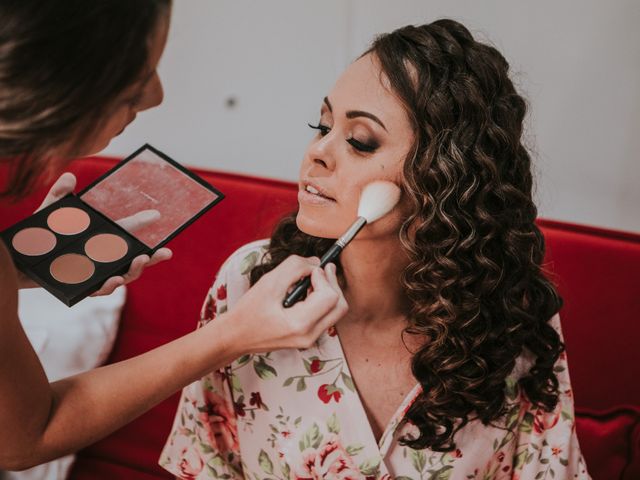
376	200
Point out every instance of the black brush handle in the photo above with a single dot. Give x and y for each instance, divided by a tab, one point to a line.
299	291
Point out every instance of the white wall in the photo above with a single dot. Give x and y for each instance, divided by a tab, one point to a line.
577	61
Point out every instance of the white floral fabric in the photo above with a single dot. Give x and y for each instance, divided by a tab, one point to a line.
293	414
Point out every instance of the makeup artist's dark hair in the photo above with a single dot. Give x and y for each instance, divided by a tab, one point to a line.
62	64
475	282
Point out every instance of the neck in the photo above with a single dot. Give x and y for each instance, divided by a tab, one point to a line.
372	271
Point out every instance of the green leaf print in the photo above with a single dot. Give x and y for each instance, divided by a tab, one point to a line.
301	385
235	383
348	381
442	474
264	370
333	425
370	467
286	470
288	382
527	423
418	460
511	388
354	449
312	438
520	459
402	477
249	262
265	462
243	359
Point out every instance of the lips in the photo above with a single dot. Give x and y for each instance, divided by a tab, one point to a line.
314	195
315	189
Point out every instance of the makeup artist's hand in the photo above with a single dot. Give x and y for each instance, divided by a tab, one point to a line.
65	184
263	324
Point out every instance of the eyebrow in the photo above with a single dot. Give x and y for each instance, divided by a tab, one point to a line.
357	113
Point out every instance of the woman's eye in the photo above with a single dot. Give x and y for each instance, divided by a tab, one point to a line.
323	129
363	147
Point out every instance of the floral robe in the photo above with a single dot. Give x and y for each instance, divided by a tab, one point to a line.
296	414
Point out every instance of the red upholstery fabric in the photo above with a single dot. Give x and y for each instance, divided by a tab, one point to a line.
597	271
611	441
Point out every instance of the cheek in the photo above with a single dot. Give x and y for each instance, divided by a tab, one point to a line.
111	128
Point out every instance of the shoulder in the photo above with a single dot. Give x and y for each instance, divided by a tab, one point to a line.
232	279
241	262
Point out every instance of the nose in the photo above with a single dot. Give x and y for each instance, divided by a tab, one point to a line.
154	94
321	153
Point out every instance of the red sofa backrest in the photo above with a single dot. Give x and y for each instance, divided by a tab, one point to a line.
598	273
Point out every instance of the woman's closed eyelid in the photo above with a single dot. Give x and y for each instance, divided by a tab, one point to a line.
369	145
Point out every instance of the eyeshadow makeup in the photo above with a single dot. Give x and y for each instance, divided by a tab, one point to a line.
106	247
34	241
74	245
68	221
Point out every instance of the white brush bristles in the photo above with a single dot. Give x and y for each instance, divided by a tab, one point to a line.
377	199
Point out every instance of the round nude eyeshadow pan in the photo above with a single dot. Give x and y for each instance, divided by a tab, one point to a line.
106	247
68	221
72	268
34	241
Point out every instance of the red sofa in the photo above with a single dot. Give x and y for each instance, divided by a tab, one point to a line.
597	271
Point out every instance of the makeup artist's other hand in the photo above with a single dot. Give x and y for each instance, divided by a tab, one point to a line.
66	184
261	319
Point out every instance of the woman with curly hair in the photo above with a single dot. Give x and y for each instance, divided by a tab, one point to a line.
449	363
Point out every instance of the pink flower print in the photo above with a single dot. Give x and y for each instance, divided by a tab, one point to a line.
190	464
327	392
219	422
209	309
222	292
330	460
544	421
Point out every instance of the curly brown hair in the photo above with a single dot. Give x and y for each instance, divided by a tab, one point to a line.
475	281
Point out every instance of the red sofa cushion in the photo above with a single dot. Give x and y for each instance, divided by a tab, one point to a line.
597	272
611	442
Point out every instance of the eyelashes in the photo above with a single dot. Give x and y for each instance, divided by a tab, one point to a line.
323	129
358	145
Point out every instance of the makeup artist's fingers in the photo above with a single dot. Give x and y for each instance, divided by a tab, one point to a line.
135	271
324	307
292	269
109	286
139	220
136	268
161	255
65	184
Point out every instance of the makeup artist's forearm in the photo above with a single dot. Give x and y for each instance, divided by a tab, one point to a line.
25	395
89	406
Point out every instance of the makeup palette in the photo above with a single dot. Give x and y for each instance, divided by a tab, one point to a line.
74	245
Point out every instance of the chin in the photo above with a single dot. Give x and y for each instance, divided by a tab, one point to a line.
318	225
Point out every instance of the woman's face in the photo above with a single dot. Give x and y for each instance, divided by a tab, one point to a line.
144	94
364	134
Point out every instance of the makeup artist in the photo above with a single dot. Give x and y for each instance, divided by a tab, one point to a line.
74	74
